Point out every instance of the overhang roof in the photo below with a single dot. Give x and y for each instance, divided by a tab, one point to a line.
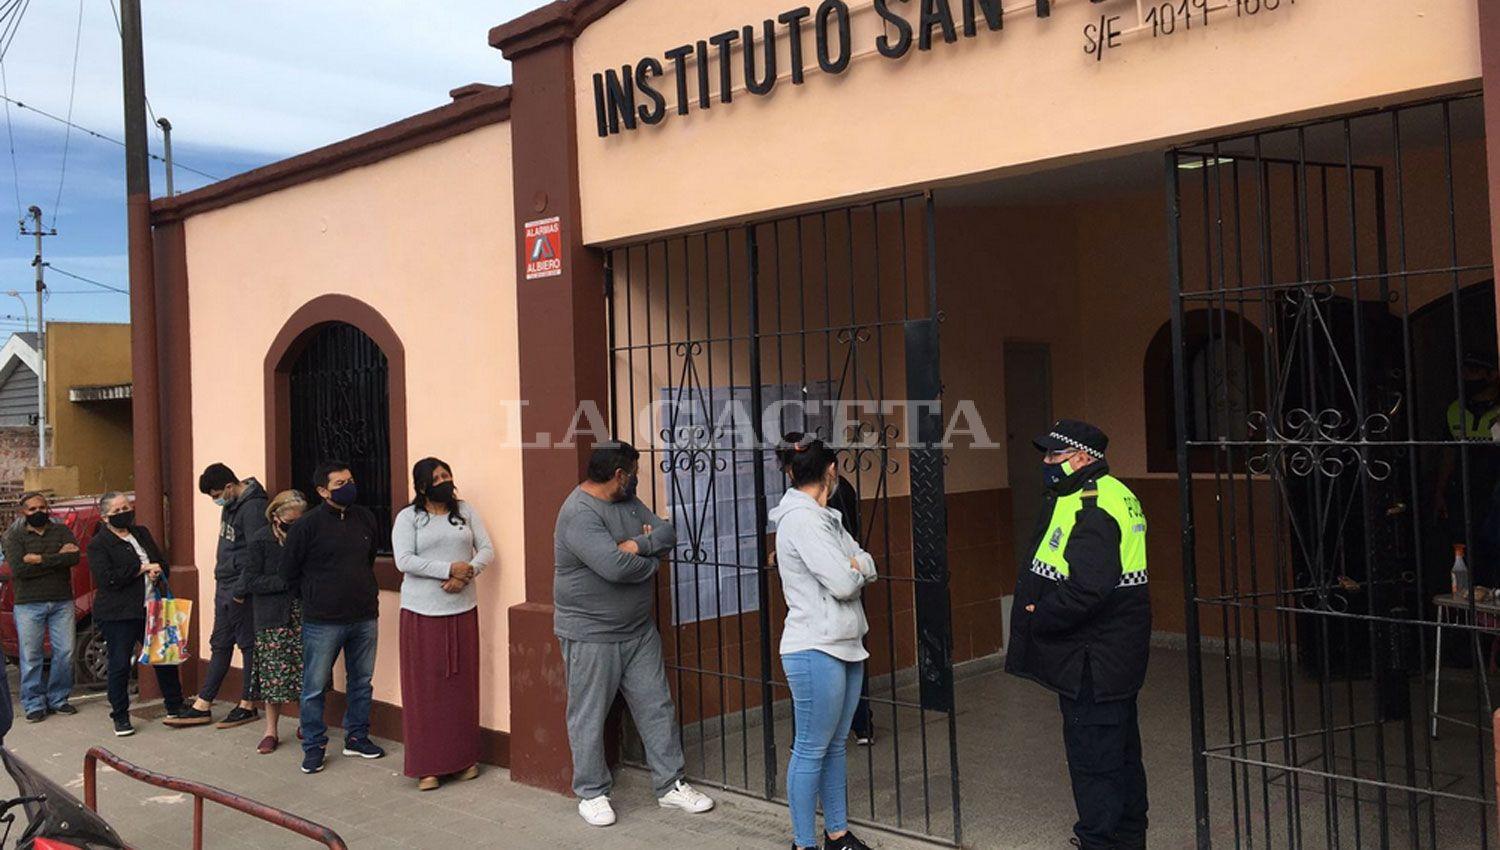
111	392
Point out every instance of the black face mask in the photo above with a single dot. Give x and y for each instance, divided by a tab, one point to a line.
441	493
285	524
40	519
123	520
1052	474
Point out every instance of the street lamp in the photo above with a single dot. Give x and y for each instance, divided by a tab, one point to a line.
26	309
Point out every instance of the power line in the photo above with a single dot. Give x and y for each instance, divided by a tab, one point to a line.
62	172
10	136
98	135
88	280
8	36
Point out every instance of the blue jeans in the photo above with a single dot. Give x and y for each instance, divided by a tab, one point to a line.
825	693
54	621
321	645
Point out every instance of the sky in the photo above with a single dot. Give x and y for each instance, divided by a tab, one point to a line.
243	83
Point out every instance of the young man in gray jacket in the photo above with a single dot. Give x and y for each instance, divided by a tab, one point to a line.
242	513
608	546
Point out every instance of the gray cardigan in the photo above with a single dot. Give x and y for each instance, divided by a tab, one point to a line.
816	558
426	545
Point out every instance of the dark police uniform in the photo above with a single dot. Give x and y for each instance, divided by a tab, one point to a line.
1090	635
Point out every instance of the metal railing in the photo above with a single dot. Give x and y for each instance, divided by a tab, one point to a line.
200	792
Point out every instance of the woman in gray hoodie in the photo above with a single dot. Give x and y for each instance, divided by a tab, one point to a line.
823	572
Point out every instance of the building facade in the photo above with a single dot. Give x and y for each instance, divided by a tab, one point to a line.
1252	240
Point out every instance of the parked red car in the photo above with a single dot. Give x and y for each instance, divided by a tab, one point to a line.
89	660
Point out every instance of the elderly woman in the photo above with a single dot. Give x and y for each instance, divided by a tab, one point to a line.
127	564
276	673
441	546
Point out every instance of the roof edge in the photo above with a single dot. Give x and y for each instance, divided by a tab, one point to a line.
477	106
560	20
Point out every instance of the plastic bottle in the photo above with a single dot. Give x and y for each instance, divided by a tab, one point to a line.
1460	572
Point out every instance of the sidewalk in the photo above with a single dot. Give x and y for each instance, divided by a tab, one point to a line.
369	803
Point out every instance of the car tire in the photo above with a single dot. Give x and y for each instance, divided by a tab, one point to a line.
90	657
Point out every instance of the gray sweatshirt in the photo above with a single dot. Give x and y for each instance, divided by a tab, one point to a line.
426	546
601	594
816	558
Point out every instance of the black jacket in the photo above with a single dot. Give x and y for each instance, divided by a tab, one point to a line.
238	522
117	573
262	584
329	561
1085	619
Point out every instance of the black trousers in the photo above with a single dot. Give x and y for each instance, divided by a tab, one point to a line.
121	638
1103	741
234	626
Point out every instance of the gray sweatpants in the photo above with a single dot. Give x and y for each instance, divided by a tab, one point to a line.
596	672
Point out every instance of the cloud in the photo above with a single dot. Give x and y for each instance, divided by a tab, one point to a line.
273	77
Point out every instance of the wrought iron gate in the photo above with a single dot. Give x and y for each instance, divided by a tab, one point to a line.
1333	307
341	410
722	341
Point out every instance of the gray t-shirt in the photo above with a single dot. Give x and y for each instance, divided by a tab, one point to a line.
601	594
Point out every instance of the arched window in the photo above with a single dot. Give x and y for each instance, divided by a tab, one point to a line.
336	389
341	409
1225	371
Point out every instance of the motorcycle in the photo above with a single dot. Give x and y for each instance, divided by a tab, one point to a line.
55	819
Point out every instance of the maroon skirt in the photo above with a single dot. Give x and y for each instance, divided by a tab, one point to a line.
440	692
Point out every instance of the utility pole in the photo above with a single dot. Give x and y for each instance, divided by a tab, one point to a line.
146	405
166	144
41	330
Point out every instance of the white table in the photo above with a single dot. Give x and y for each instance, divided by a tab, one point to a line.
1453	610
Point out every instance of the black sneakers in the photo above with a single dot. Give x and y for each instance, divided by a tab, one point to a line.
312	761
66	709
36	716
123	729
848	842
190	716
363	748
239	716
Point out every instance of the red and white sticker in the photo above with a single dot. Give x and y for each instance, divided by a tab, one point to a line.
544	248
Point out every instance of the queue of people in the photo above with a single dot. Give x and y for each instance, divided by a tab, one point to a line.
300	582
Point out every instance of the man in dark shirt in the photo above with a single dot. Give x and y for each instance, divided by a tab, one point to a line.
329	563
242	512
41	554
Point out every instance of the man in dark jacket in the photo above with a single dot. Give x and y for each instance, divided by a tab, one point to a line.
1082	628
242	513
329	562
41	554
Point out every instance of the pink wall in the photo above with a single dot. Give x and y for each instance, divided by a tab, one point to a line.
426	238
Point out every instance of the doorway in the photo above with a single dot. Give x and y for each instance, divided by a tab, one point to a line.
1028	412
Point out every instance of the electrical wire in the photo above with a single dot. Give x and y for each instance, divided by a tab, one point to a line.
8	34
88	280
96	134
10	136
62	172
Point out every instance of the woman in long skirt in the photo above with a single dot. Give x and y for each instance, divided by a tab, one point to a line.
276	674
441	546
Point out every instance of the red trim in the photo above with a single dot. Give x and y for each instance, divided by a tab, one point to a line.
561	20
288	345
477	106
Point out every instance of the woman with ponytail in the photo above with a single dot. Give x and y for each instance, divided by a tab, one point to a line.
441	547
276	663
823	573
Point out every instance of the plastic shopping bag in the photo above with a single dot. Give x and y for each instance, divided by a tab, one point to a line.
167	618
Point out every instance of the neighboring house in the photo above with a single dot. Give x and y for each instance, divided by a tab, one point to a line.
88	403
19	361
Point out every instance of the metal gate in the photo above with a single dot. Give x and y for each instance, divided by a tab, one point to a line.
721	342
1333	308
340	410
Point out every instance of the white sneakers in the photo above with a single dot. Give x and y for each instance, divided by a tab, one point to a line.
598	811
686	797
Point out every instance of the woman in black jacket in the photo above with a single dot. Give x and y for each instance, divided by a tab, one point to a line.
276	677
125	560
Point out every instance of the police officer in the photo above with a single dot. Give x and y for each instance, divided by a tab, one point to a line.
1082	627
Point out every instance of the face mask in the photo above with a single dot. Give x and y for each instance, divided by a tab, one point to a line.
441	493
222	501
285	524
1054	473
630	487
38	519
123	520
345	495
